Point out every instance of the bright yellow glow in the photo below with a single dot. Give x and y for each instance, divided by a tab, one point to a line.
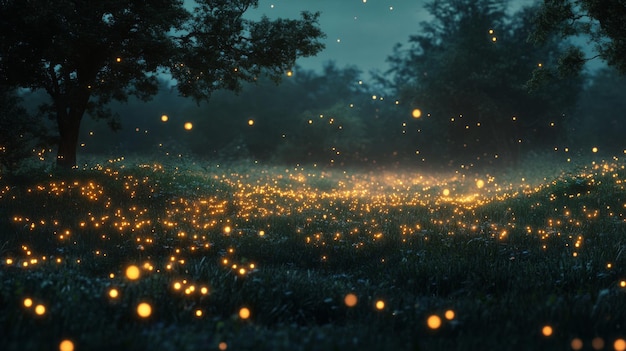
433	322
9	261
28	302
177	286
244	313
188	126
494	39
114	293
119	59
199	313
446	192
417	113
289	73
622	284
164	118
480	183
250	122
594	149
576	344
66	345
204	290
619	345
132	272
350	300
449	315
547	330
144	310
227	230
380	305
40	310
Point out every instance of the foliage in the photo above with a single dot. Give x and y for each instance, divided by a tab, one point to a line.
467	71
507	262
598	21
85	55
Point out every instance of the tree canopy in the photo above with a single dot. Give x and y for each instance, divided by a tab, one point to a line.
601	22
467	71
85	54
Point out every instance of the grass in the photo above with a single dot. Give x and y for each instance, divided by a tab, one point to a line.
494	257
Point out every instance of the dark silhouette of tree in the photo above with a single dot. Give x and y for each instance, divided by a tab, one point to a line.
85	54
467	71
599	21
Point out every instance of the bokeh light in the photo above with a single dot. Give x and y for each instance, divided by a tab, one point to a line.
144	310
380	305
164	118
547	330
417	113
449	314
40	310
188	126
244	313
133	272
66	345
114	293
433	322
350	300
576	344
619	345
28	302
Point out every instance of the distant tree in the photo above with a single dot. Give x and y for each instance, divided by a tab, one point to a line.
598	21
85	54
467	72
19	130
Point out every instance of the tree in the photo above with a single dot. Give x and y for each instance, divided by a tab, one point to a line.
467	71
600	21
85	54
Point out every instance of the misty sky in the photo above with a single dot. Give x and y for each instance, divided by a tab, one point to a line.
359	32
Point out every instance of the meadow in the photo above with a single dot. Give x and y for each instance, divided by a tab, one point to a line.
129	256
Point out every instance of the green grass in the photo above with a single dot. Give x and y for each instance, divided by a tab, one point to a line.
508	258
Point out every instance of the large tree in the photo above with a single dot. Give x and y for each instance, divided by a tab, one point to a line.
85	54
599	22
467	71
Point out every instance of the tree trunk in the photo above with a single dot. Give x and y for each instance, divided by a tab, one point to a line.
69	126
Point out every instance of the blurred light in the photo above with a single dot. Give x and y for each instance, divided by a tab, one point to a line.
433	322
597	343
132	272
144	310
164	118
250	122
222	346
594	149
188	126
28	302
480	183
40	310
380	305
114	293
449	315
350	300
446	192
576	344
619	345
547	330
66	345
244	313
417	113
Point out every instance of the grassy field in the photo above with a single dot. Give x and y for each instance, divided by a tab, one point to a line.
252	257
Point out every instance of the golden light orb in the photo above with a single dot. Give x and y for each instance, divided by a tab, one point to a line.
480	183
250	122
188	126
594	149
114	293
28	302
380	305
434	322
350	300
40	310
244	313
289	73
66	345
622	284
133	272
227	229
199	313
417	113
619	345
119	59
164	118
446	192
144	310
547	330
449	315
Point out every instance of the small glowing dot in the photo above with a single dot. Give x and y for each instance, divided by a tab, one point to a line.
114	293
119	59
261	233
9	261
449	315
244	313
547	330
576	344
494	39
619	345
446	192
350	300
132	272
28	302
594	149
480	183
177	286
250	122
66	345
227	229
199	313
417	113
188	126
164	118
622	284
40	310
222	346
289	73
380	305
433	322
144	310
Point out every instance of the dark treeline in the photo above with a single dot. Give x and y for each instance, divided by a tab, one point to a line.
469	89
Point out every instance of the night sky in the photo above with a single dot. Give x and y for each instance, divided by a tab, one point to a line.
359	32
